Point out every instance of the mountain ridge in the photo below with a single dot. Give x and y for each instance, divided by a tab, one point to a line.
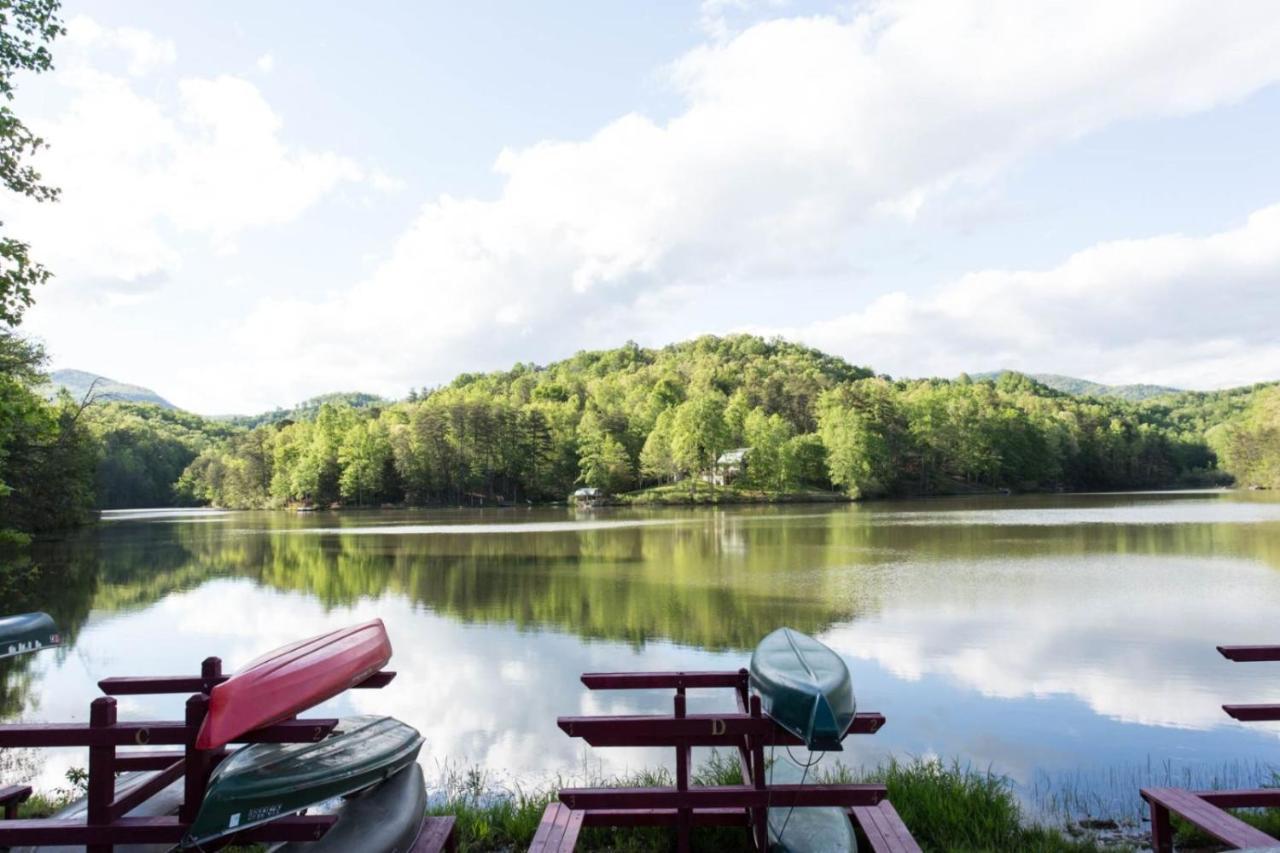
1077	387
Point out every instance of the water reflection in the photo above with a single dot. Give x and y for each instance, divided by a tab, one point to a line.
1020	632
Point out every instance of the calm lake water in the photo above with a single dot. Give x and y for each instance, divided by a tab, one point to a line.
1066	641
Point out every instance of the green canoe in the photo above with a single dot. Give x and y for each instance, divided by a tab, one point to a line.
265	781
27	632
816	830
805	687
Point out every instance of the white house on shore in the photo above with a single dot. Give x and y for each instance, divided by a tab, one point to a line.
729	466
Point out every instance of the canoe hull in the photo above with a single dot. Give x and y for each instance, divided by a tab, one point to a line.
805	687
816	830
27	632
387	819
165	803
261	782
283	682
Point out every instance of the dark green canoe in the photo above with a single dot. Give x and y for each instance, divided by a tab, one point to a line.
384	819
264	781
805	687
27	632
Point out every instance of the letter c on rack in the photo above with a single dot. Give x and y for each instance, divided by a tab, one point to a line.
717	727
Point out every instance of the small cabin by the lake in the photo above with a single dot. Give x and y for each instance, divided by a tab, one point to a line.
587	496
729	466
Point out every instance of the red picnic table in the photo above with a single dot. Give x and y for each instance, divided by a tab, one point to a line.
747	730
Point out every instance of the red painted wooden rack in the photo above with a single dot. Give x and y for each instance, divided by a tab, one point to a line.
1207	809
748	731
106	824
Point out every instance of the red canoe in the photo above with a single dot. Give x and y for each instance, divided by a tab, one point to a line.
281	683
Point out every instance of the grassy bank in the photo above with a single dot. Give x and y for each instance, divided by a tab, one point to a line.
700	494
948	808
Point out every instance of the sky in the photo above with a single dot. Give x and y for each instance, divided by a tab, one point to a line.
259	205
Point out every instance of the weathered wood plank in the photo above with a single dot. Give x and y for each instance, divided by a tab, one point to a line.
438	834
1253	713
1250	654
1222	825
883	828
723	796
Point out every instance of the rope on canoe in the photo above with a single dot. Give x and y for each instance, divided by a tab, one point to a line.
803	776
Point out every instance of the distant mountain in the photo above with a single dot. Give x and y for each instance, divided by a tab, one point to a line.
79	383
1086	388
306	410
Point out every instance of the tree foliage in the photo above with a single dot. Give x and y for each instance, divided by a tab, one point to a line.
27	28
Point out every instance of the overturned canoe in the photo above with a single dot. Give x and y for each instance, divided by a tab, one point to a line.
265	781
27	632
805	687
384	819
164	803
807	830
281	683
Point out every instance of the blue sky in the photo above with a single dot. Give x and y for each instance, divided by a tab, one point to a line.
261	204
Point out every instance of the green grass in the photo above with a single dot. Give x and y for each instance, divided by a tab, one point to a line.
700	493
949	808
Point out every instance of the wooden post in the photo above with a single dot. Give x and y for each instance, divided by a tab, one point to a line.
761	816
102	771
1161	831
199	762
211	673
684	817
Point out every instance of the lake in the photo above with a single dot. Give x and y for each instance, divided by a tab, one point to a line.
1066	641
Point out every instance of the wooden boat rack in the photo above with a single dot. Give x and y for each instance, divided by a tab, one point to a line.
1207	809
747	730
106	823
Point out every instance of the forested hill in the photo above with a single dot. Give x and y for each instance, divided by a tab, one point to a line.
305	410
82	385
631	418
1086	388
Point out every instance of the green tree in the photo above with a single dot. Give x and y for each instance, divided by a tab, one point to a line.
699	433
657	461
768	466
603	460
363	455
27	28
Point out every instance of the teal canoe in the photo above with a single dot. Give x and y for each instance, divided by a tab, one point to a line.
805	687
27	632
808	830
384	819
265	781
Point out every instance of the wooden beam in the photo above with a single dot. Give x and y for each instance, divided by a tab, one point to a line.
659	680
156	684
157	733
1253	713
693	730
151	830
1250	654
723	796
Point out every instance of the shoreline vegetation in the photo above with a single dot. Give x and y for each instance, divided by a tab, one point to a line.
644	427
949	807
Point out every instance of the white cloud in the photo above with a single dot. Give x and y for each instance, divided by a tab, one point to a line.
139	171
266	63
144	52
1186	311
795	133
